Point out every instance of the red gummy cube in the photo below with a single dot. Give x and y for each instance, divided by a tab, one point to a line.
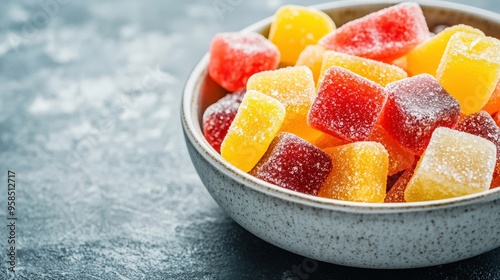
415	108
347	105
293	163
218	117
384	35
234	57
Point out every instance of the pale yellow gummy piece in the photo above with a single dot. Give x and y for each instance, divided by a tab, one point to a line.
454	164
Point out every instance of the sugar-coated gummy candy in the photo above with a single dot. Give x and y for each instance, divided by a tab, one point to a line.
347	105
481	124
293	163
493	104
359	172
293	87
218	117
397	192
425	58
376	71
295	27
415	107
384	35
256	123
470	69
234	57
400	158
454	164
312	57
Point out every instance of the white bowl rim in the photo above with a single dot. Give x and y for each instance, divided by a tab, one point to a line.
193	132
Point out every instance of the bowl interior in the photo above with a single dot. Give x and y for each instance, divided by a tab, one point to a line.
201	91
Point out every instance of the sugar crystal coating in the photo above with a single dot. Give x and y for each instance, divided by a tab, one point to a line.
359	172
234	57
384	35
376	71
312	57
293	163
347	105
294	88
454	164
415	107
470	69
218	117
295	27
257	122
426	57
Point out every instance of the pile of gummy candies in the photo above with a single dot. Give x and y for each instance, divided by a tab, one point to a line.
377	110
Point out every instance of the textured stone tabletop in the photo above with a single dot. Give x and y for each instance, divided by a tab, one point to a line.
89	123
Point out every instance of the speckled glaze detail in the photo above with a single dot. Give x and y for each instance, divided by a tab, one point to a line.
348	233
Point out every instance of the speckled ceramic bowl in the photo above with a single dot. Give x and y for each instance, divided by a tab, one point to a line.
348	233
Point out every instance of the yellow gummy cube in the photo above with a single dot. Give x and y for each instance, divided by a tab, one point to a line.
312	57
469	69
359	172
295	27
425	58
376	71
257	122
293	87
454	164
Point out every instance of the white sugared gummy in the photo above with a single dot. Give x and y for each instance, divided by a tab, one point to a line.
454	164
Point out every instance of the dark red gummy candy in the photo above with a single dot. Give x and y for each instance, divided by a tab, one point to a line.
218	117
293	163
